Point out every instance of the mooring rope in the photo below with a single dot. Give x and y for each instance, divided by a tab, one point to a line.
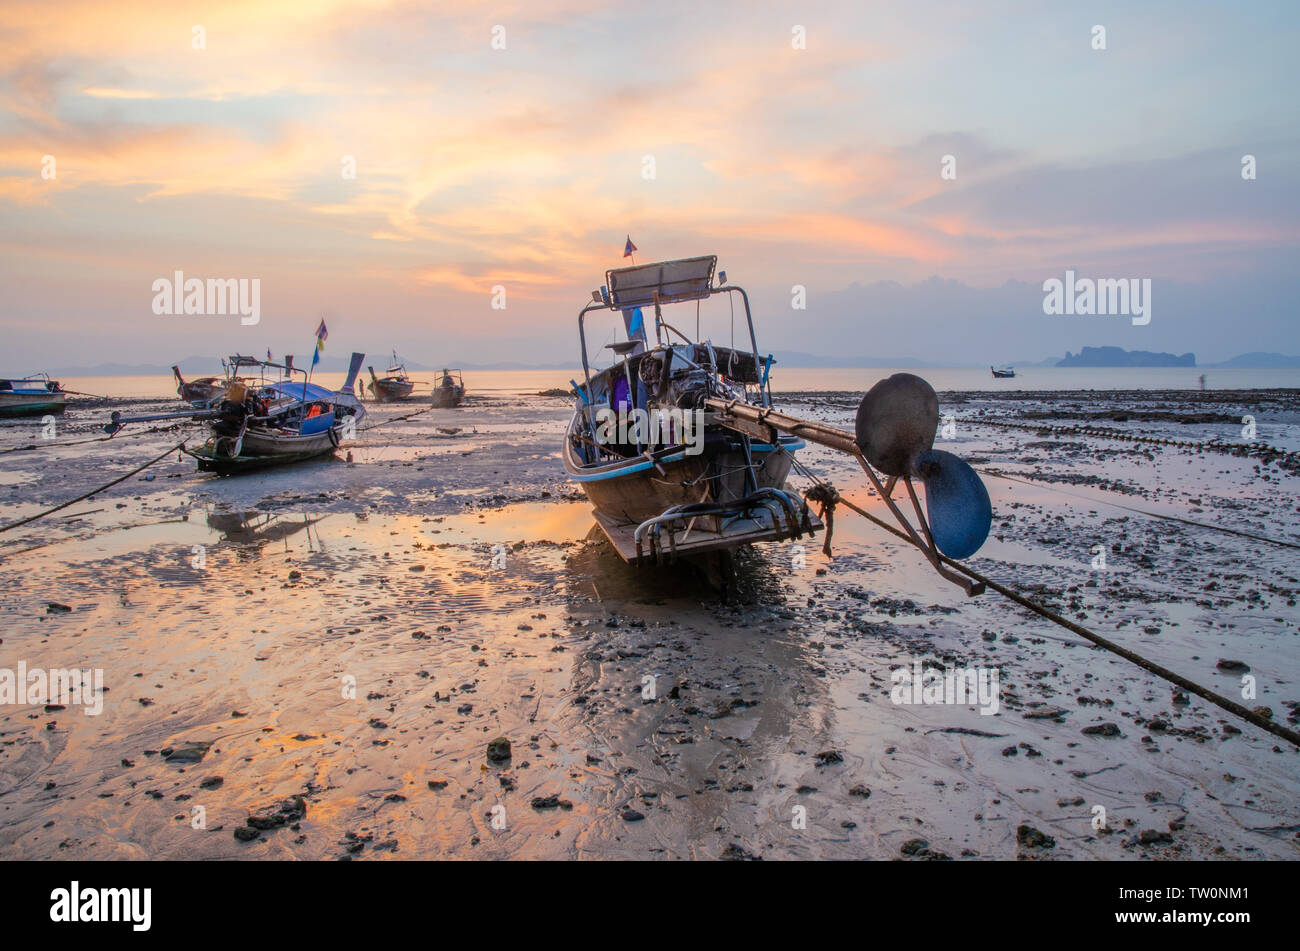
94	396
107	485
55	444
826	494
395	419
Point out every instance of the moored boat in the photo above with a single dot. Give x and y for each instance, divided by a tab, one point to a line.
449	390
199	391
34	395
264	424
1005	373
663	479
393	387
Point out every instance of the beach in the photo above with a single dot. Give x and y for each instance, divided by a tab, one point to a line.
329	649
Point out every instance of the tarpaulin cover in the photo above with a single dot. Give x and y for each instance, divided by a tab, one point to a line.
296	390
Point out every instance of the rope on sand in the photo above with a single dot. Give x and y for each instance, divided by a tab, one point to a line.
31	518
825	494
55	444
395	419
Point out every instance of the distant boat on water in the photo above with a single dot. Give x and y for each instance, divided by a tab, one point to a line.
34	395
1006	373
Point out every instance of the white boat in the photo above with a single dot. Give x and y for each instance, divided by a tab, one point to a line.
35	395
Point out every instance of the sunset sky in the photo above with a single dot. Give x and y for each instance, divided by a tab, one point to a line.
523	167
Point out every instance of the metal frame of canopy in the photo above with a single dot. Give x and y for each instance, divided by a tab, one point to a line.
658	283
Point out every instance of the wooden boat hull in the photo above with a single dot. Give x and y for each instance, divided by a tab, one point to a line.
200	394
260	444
211	461
446	397
391	391
642	492
32	404
629	492
261	449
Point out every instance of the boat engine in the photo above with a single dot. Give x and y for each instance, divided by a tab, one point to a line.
231	420
689	388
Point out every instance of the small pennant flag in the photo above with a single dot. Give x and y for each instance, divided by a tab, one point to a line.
629	247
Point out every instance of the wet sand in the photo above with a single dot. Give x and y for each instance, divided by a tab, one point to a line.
356	634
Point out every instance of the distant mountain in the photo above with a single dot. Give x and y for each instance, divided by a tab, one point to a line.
1119	357
1260	361
207	366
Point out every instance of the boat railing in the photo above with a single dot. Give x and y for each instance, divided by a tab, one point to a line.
39	377
607	304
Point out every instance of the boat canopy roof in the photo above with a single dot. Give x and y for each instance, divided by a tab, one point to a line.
302	391
239	360
672	281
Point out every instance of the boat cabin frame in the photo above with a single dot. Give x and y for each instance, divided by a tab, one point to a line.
668	282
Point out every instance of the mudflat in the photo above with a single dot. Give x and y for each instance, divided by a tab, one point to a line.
322	661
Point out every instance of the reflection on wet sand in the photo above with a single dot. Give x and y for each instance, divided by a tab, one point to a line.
255	528
705	706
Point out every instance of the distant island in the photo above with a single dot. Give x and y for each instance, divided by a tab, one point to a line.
1119	357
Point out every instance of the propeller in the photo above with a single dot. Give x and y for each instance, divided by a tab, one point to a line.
897	420
956	502
896	425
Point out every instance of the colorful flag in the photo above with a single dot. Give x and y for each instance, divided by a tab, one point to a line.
629	247
269	358
322	334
